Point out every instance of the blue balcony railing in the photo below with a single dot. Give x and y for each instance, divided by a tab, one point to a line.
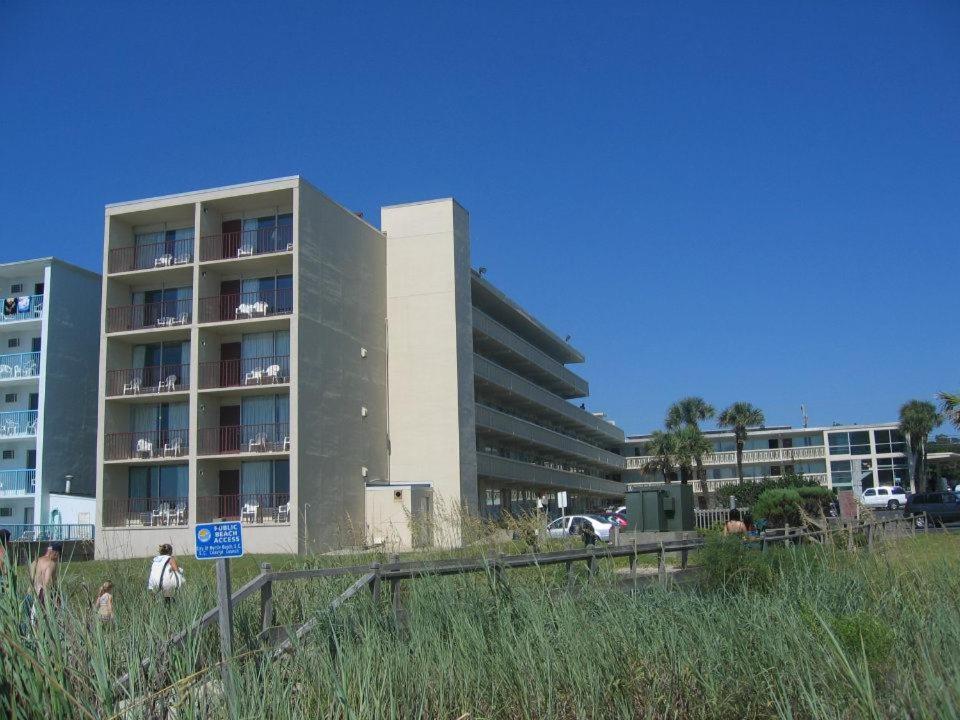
18	482
18	423
22	307
19	365
20	532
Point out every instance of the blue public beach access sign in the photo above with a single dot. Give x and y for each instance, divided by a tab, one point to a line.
219	540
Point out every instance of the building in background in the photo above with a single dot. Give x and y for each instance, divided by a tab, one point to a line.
242	369
48	419
845	457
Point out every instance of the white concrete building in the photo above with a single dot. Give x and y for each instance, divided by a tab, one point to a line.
48	360
841	456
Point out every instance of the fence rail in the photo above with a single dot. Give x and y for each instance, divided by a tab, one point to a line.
246	305
19	365
151	255
166	313
246	243
26	532
152	379
267	370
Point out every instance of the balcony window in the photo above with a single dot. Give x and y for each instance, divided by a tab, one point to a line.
162	249
889	441
854	443
156	496
250	236
156	431
249	298
893	471
165	307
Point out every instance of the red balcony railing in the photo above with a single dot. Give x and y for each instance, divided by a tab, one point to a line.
168	313
246	243
154	255
265	437
146	444
270	370
246	305
254	508
153	379
145	512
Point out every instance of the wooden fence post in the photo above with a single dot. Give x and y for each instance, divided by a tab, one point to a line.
850	536
763	542
395	588
662	566
926	523
592	563
633	558
500	572
266	600
869	537
375	583
569	564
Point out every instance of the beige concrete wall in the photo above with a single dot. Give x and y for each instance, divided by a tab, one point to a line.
340	350
432	427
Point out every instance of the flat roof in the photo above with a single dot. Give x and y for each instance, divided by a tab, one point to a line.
784	429
222	188
43	262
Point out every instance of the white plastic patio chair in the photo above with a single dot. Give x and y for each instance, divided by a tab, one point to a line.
257	442
163	261
283	513
255	375
160	515
144	447
245	250
249	513
180	514
244	309
132	387
273	373
32	427
173	447
182	259
261	306
169	383
286	443
6	371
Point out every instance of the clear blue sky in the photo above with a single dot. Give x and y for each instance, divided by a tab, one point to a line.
753	202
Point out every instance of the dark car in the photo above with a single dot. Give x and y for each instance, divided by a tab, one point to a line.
940	507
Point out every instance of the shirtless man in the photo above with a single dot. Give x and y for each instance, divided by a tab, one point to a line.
43	574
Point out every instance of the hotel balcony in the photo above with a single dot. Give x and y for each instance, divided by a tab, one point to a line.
540	476
264	438
18	482
246	305
145	512
18	424
147	381
248	508
245	372
146	445
157	315
246	243
152	256
20	366
23	307
750	457
714	484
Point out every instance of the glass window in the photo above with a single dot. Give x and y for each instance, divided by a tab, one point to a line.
840	474
870	493
860	443
889	441
839	443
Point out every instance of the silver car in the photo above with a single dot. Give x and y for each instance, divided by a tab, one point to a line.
572	525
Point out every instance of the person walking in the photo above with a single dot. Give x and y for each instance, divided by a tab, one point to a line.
165	575
103	603
43	579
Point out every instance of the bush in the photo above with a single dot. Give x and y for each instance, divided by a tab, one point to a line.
728	563
747	493
863	634
815	500
778	507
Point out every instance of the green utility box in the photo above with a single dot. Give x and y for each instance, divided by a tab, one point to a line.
661	508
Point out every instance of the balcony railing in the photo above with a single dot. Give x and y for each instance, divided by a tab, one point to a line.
714	484
729	457
246	305
168	313
265	437
145	512
149	380
270	370
18	423
19	365
22	307
246	243
18	482
154	255
146	444
54	532
253	508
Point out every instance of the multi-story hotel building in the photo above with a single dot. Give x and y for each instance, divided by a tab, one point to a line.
48	360
246	337
844	457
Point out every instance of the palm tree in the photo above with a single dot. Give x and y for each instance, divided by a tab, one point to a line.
950	407
740	416
918	418
690	412
690	447
662	449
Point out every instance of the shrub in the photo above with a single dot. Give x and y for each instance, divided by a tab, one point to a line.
863	634
727	563
747	493
815	500
778	507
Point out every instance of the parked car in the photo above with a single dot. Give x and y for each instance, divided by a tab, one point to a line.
572	524
615	518
884	497
940	507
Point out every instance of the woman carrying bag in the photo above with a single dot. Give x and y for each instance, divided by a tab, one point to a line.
166	577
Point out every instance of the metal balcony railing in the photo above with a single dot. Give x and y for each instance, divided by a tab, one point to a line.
246	243
729	457
167	313
150	380
55	532
269	370
146	444
145	512
252	508
18	423
544	477
19	365
154	255
18	482
246	305
22	307
263	437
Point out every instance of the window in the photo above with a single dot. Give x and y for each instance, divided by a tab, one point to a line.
892	471
882	491
860	443
839	444
10	398
6	512
854	443
13	343
35	345
840	474
8	454
775	470
889	441
16	288
870	493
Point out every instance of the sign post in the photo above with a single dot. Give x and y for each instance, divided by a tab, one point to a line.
562	501
220	542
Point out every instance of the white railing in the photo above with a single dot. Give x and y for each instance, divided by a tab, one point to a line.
19	365
750	457
18	482
714	484
706	519
22	307
18	423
